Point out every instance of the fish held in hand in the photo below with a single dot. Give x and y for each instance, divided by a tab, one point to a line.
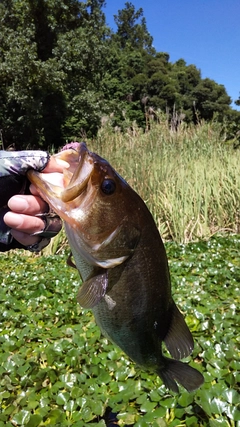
122	261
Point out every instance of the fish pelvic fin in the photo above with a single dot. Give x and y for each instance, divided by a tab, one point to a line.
175	371
70	262
93	290
178	339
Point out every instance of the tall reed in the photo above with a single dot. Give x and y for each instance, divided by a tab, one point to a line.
189	178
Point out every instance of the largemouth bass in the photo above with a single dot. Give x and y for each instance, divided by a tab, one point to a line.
122	261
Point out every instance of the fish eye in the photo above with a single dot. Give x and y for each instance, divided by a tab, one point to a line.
108	186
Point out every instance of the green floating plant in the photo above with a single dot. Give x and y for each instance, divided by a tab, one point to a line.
57	370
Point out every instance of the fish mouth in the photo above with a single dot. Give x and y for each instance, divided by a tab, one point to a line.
57	189
81	174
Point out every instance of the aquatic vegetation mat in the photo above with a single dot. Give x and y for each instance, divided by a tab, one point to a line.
57	370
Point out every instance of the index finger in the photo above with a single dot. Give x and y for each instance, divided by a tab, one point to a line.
55	165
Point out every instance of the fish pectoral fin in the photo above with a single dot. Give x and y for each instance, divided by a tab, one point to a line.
178	340
93	290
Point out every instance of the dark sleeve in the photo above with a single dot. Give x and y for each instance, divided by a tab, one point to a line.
13	245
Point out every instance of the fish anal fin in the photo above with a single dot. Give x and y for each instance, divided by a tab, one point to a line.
176	371
178	339
93	290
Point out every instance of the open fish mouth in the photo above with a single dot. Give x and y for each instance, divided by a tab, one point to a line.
74	179
81	174
59	190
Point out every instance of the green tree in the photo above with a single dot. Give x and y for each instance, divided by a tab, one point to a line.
52	57
124	78
237	102
62	69
211	98
83	55
133	45
130	32
186	78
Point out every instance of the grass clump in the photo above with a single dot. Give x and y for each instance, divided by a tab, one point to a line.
189	178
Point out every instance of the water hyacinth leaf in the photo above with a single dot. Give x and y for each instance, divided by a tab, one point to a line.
62	398
104	377
230	379
154	396
141	399
233	412
160	412
205	401
87	414
9	410
140	423
219	422
69	380
22	417
113	355
126	418
174	423
154	415
218	406
232	396
70	405
192	421
32	404
159	422
185	399
168	402
55	417
34	421
98	407
43	411
234	364
101	423
76	392
147	406
4	395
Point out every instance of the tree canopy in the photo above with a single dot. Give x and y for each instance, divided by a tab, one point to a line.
62	69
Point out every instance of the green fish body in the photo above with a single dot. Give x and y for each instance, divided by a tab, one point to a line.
122	261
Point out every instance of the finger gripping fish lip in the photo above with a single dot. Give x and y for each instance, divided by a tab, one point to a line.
72	145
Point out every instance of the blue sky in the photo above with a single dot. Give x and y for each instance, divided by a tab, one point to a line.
205	33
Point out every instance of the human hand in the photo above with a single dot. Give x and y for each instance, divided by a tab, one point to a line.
30	223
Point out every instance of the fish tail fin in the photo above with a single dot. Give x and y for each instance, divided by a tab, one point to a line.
175	371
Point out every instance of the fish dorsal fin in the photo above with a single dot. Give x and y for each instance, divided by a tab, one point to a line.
93	290
178	340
